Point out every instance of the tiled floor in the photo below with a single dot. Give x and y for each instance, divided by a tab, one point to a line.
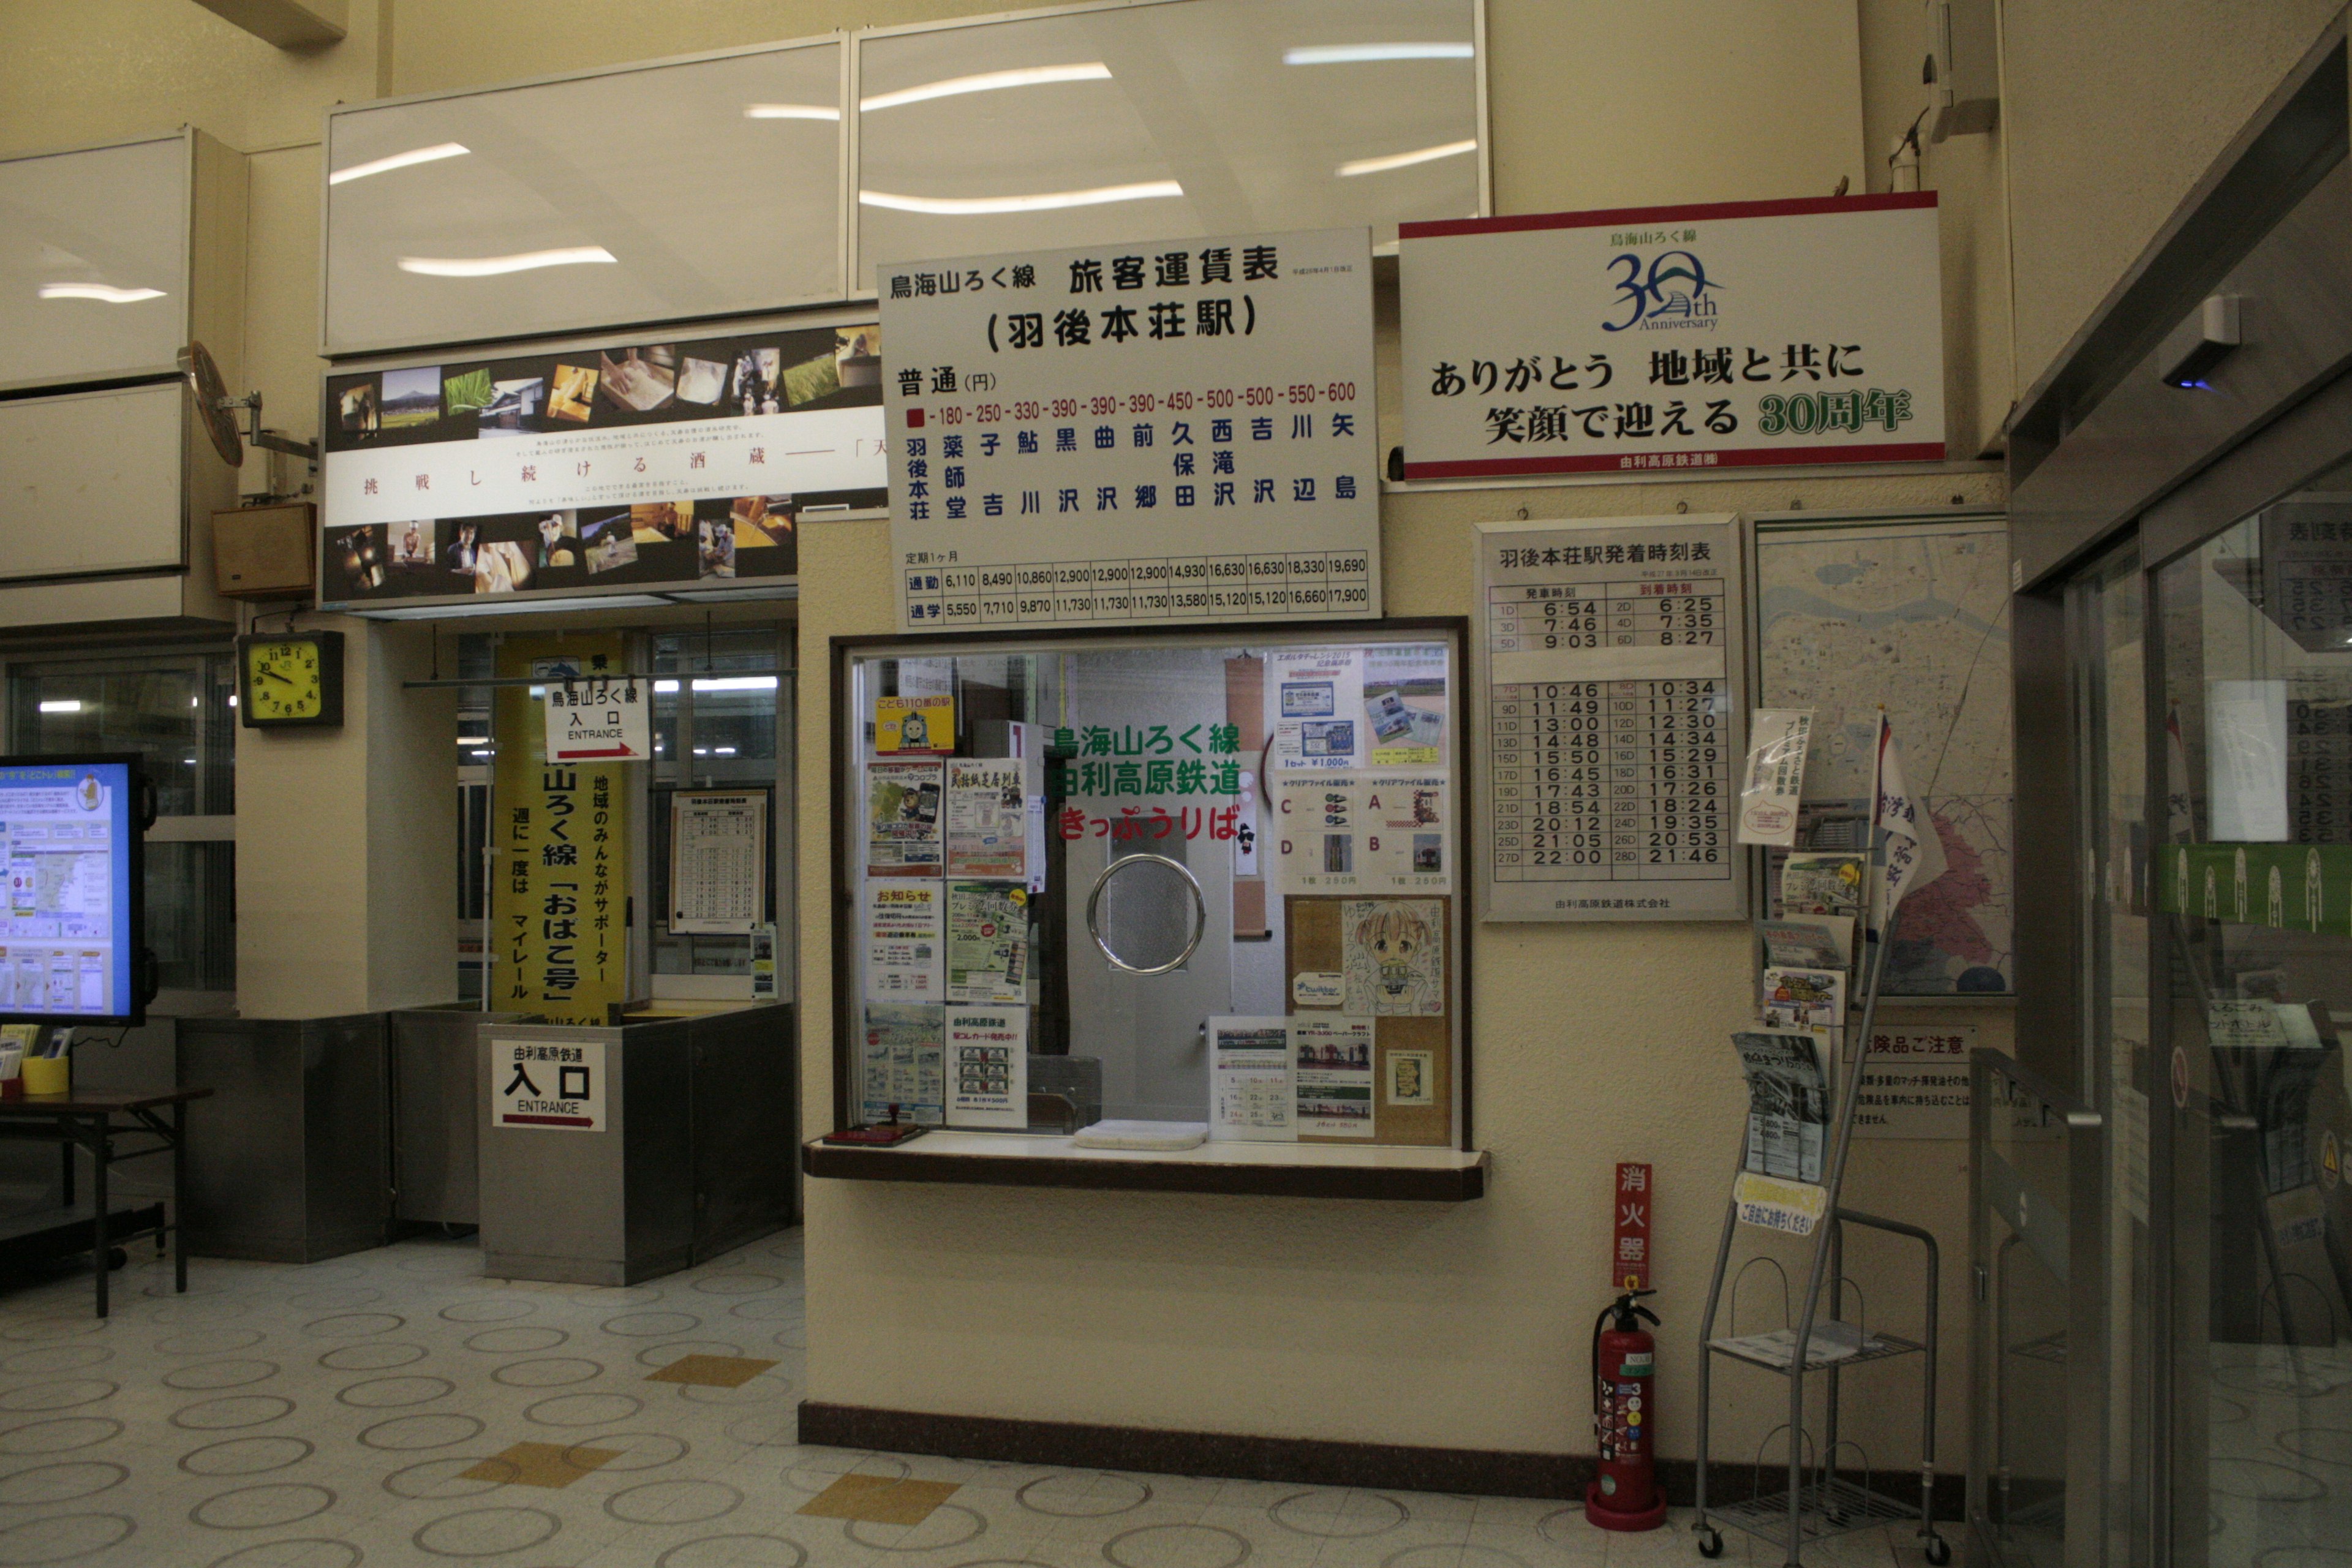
395	1408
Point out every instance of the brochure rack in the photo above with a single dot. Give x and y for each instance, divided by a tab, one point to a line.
1818	1502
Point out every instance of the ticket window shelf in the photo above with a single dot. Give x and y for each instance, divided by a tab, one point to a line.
1280	1169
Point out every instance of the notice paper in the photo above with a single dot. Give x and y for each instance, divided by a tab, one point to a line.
1788	1103
906	946
1392	956
718	860
900	1063
987	819
1315	699
988	1066
903	724
1333	1060
902	819
988	942
1371	833
1777	740
1250	1085
1405	705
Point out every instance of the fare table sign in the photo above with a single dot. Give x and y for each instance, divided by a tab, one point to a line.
1613	698
1731	335
1154	432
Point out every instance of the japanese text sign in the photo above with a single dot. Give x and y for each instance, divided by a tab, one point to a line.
1671	338
557	1084
1155	432
600	720
1628	1253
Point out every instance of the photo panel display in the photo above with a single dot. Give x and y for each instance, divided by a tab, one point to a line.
675	462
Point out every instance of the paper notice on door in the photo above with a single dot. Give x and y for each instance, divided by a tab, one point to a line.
987	819
988	942
1250	1085
1333	1060
902	819
1777	740
1405	705
1316	699
900	1064
906	945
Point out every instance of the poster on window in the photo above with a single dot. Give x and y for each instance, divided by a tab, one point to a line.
718	861
1168	431
1728	335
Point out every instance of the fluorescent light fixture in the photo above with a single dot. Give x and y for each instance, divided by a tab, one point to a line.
522	606
1358	54
726	750
664	685
105	291
413	156
232	699
790	112
987	81
735	683
967	206
701	751
62	705
493	266
1404	160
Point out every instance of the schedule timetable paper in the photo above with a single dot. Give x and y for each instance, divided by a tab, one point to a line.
1615	675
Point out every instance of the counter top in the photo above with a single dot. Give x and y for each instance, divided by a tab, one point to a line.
1283	1170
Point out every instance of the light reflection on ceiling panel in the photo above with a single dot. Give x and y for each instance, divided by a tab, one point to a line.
1232	115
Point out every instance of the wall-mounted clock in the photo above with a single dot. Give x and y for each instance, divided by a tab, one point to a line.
289	681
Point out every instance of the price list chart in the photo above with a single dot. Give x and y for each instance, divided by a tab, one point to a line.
1614	706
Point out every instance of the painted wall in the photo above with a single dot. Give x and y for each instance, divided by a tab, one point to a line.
2112	110
1457	1326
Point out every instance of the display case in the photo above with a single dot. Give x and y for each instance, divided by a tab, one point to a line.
1155	908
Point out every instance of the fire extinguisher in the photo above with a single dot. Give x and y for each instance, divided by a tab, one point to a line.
1625	1495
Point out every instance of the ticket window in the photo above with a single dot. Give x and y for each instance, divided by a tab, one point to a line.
1208	878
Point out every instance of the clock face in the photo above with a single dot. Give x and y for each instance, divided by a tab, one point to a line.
283	680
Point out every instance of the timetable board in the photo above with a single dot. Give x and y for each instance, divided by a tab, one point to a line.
1614	703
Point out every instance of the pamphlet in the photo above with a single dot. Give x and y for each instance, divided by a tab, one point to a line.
1250	1082
905	940
1392	955
1333	1061
1808	999
1404	704
1777	741
988	1066
988	942
987	819
902	819
1814	941
1817	882
1316	702
901	1064
904	724
1830	1342
1788	1103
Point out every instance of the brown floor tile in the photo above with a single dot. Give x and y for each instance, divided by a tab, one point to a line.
713	1370
880	1499
547	1465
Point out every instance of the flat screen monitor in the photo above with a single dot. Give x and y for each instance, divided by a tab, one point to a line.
72	832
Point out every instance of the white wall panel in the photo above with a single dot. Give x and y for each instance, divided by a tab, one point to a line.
93	262
1160	121
651	194
90	481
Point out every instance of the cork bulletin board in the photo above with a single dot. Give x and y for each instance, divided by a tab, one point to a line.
1384	949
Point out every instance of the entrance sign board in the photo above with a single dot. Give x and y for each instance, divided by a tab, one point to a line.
600	720
1170	431
1731	335
554	1084
681	462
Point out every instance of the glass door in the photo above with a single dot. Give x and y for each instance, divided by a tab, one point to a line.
2252	916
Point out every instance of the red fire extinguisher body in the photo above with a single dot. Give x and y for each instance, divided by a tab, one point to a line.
1625	1495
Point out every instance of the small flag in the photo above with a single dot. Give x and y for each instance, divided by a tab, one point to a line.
1914	852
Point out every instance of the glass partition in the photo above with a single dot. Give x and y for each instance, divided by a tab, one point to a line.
1204	877
2254	880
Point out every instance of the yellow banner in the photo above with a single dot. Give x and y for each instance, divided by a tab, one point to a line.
562	833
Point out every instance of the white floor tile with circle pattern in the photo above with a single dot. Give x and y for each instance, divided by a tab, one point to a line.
324	1417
